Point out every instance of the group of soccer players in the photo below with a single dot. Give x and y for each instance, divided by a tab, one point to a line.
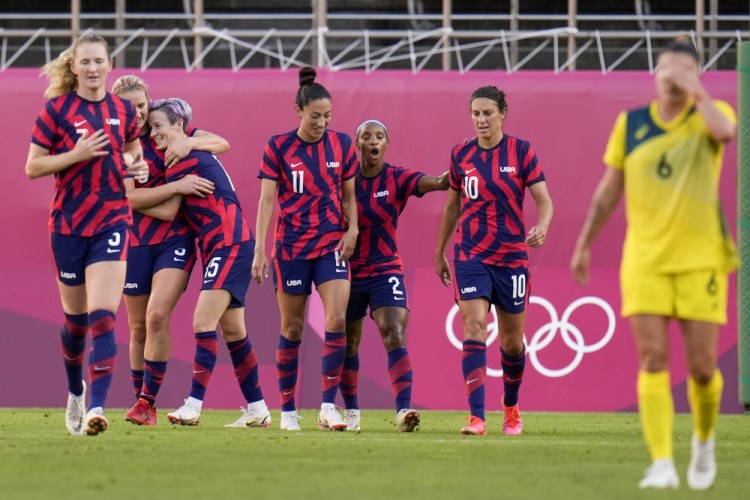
337	228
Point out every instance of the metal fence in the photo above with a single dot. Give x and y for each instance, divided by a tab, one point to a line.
370	40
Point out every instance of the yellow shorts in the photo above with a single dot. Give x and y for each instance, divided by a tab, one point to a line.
695	295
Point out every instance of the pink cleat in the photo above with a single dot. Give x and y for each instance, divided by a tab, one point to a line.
476	427
512	424
142	413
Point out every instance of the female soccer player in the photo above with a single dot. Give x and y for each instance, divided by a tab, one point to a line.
161	254
666	158
80	137
488	179
377	271
312	169
226	246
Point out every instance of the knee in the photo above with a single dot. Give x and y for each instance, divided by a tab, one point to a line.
157	321
292	330
475	330
654	359
138	332
393	337
703	373
512	344
335	321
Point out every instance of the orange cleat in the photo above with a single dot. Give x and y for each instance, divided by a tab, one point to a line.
476	427
142	413
512	424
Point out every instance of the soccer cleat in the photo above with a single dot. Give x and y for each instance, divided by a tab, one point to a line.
661	475
96	422
512	424
407	420
252	418
75	412
289	421
476	427
185	415
702	470
351	419
330	419
142	413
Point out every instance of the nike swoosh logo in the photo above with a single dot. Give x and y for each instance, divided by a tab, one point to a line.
78	124
295	165
286	393
179	260
68	358
517	303
331	378
470	171
341	270
102	368
207	281
399	298
195	372
471	381
113	250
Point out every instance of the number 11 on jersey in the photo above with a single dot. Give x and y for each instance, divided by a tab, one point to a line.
298	181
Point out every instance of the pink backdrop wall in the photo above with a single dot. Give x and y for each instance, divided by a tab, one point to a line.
581	355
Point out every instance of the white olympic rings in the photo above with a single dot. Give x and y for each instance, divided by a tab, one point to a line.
570	334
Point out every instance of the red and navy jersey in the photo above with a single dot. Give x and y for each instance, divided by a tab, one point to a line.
217	219
90	195
147	230
310	177
492	184
380	200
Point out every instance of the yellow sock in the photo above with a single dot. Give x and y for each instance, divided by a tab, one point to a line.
657	412
705	400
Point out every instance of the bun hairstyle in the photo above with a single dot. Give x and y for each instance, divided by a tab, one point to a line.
61	78
682	45
309	90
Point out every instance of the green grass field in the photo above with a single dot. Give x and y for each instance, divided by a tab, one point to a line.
561	455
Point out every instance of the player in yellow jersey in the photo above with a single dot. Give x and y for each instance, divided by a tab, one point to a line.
666	158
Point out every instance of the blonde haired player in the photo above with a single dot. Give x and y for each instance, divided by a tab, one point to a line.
666	157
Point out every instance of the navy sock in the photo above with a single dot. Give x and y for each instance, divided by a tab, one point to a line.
350	382
474	366
513	366
206	349
400	374
287	361
73	340
102	357
334	352
246	369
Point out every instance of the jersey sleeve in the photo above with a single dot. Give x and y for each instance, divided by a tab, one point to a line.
531	169
270	168
614	155
45	127
408	183
350	160
454	179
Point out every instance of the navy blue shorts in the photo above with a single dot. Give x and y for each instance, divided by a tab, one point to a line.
506	287
145	261
376	292
72	254
297	276
229	268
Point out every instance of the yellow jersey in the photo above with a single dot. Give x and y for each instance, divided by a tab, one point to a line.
671	173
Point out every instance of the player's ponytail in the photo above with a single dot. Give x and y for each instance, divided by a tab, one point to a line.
309	90
61	78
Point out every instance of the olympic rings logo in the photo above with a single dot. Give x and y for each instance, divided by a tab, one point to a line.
570	334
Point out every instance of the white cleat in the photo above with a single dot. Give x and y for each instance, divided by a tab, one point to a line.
96	422
661	475
330	419
702	470
407	420
289	421
185	415
253	418
75	413
351	419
